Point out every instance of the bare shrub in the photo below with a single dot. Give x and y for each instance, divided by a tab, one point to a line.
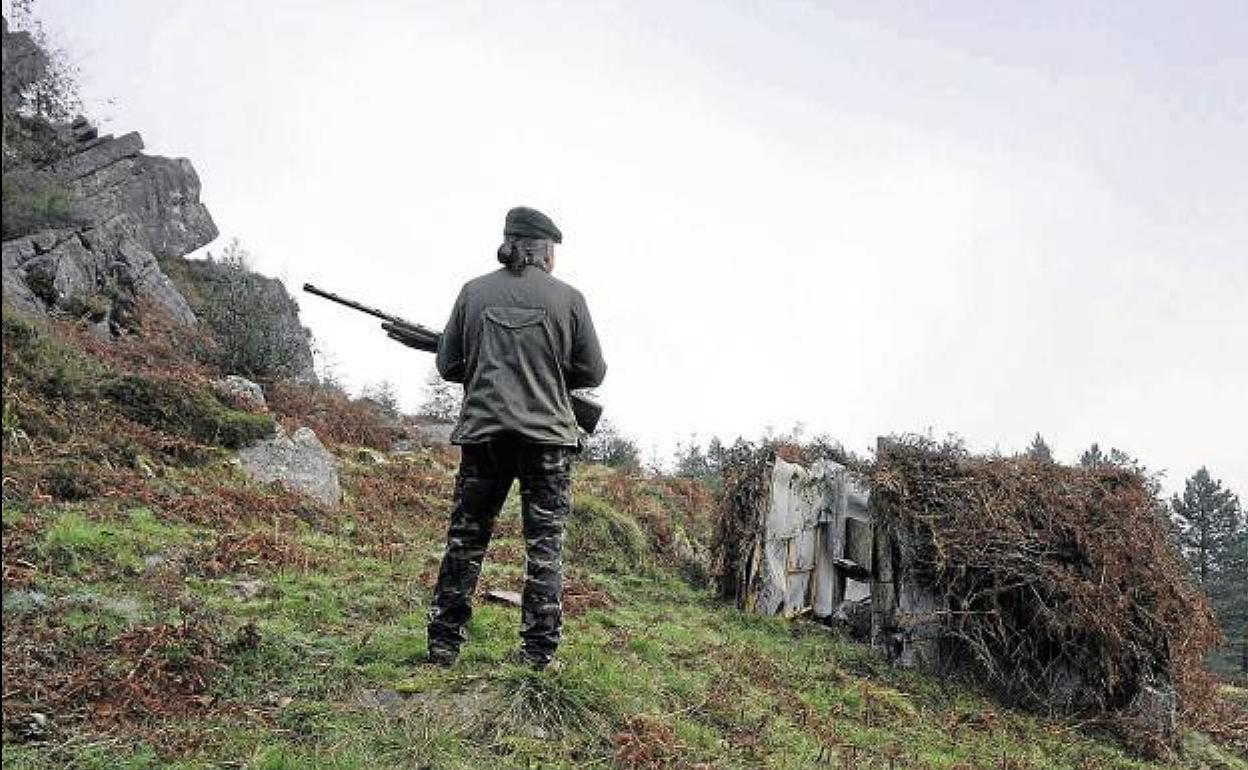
1045	570
252	318
333	415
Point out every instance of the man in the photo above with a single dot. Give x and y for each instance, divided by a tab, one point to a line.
518	340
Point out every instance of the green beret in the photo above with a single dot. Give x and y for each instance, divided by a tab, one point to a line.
524	222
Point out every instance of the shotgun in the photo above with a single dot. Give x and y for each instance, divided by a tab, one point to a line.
587	410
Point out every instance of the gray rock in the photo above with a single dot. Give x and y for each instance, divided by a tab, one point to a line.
241	390
127	608
154	561
25	601
272	698
99	273
253	316
17	292
405	445
47	240
97	158
246	590
24	63
160	195
434	433
855	618
536	732
379	699
299	461
130	211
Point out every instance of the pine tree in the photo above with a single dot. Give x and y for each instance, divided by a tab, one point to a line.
716	455
1093	458
1229	592
1039	450
1209	519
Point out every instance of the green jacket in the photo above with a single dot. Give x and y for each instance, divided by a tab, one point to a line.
518	343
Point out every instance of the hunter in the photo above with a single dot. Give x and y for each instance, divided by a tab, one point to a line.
518	340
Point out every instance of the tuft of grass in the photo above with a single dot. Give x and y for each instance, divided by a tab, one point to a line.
600	537
291	758
538	705
1199	751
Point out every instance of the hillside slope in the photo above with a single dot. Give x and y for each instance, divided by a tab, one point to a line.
160	610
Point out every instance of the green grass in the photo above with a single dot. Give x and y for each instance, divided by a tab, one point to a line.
738	691
601	538
335	680
74	544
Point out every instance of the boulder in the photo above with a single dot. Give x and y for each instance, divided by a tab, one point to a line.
405	445
242	391
366	456
855	618
298	461
246	590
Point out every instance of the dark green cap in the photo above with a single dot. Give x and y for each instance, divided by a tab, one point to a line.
524	222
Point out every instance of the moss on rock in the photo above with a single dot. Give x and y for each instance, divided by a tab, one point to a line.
180	408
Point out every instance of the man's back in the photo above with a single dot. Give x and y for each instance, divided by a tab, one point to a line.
519	341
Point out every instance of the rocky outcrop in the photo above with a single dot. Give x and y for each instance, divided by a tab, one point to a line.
97	231
87	217
298	461
25	63
111	178
130	210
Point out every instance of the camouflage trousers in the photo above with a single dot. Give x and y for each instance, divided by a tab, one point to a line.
486	472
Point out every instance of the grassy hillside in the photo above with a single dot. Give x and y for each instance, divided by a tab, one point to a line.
162	611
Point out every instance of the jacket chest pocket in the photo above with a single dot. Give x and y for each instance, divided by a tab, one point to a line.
519	336
516	318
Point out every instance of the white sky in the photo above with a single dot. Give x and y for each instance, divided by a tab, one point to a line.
983	218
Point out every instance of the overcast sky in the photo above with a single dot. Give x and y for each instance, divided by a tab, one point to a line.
985	218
